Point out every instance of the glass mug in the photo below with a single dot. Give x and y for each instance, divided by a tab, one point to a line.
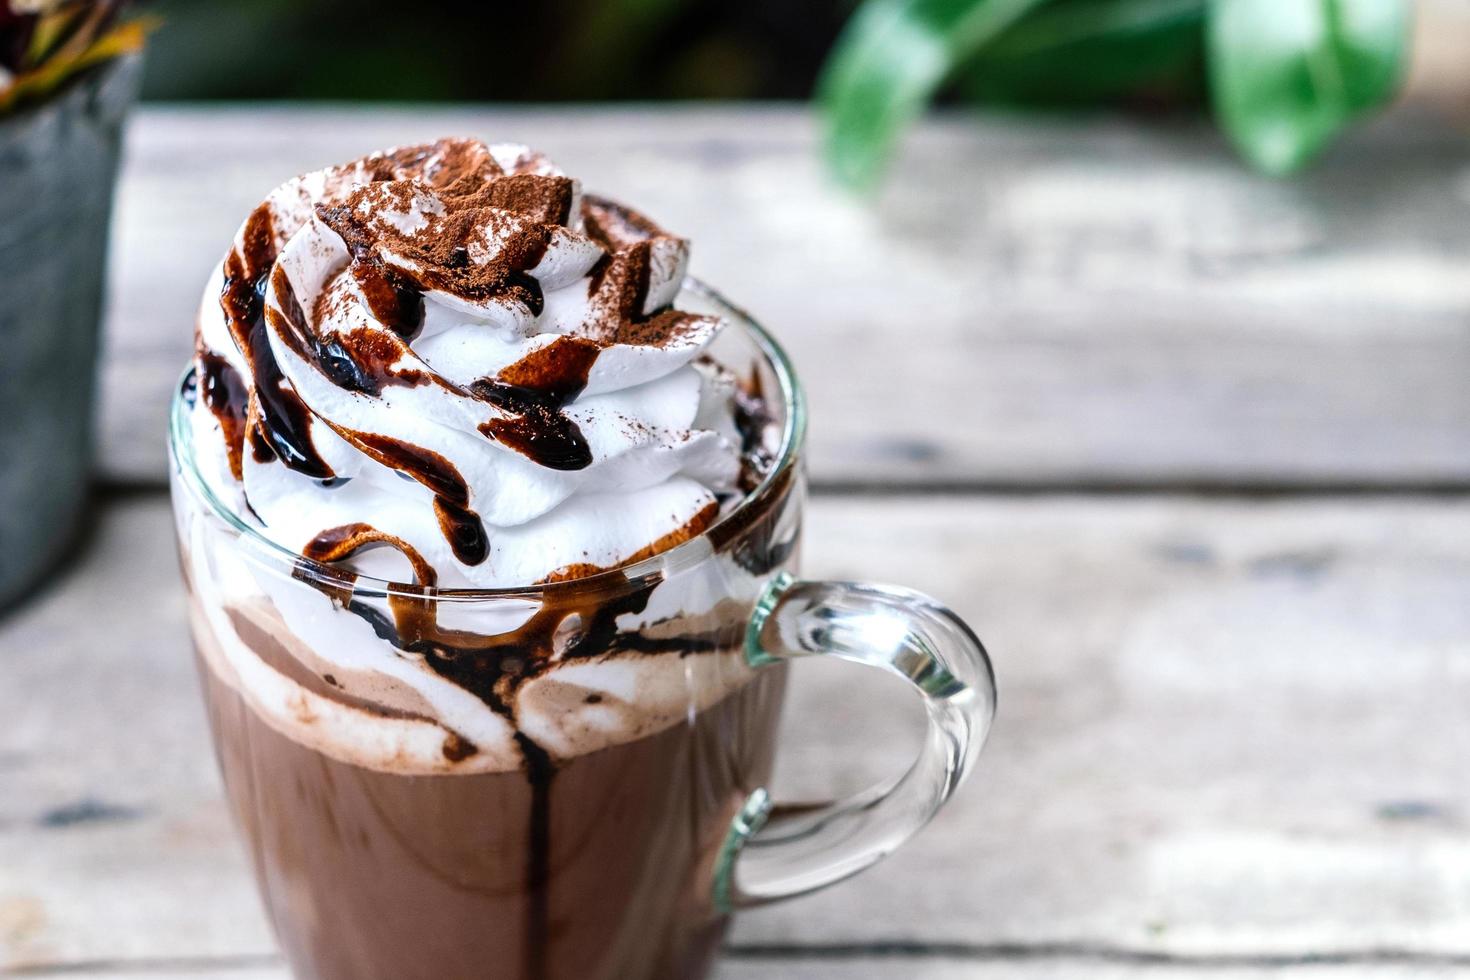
624	816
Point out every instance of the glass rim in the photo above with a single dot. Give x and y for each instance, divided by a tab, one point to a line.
619	578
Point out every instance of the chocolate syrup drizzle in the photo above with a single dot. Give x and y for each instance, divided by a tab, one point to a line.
393	300
284	420
534	428
226	397
753	420
368	372
531	393
576	620
534	390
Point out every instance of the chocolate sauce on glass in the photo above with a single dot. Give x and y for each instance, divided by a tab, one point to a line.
753	420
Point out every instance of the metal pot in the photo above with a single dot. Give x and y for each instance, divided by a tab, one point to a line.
58	163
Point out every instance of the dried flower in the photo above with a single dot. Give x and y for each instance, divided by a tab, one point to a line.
35	6
44	43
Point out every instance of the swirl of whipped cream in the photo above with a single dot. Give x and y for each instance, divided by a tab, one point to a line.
443	363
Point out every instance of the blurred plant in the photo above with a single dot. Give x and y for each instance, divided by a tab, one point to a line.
43	43
566	50
1282	76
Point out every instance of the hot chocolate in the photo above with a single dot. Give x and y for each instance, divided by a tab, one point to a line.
599	866
474	518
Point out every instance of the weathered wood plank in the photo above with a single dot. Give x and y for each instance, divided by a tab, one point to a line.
165	971
902	968
1030	303
1227	728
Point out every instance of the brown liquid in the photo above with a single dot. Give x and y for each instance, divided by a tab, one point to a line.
597	868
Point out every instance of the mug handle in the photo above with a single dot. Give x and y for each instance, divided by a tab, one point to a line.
769	854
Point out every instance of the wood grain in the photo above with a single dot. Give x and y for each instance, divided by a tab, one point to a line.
1029	304
865	968
1228	731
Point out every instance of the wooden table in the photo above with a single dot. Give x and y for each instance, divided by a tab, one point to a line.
1191	449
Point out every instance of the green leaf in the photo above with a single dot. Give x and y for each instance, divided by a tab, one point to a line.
889	61
1084	52
1287	75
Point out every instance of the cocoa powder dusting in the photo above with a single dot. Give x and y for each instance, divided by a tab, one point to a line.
614	226
438	164
544	199
660	330
473	248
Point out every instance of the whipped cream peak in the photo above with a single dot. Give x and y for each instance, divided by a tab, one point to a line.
446	364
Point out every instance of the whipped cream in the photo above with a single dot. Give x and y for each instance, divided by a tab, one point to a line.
444	364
